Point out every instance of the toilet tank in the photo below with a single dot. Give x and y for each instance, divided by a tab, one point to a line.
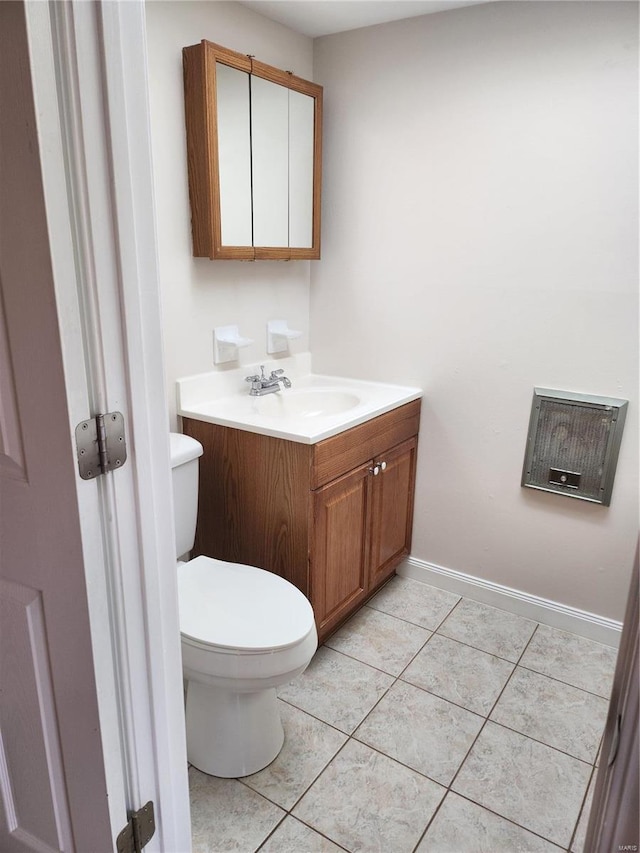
185	452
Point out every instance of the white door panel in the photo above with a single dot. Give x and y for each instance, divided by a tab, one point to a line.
30	728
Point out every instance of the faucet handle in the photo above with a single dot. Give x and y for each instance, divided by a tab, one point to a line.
252	378
275	373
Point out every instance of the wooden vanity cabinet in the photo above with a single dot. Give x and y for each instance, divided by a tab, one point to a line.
334	518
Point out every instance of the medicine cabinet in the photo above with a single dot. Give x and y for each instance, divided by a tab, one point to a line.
254	139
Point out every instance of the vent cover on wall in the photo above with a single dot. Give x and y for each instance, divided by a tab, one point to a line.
573	444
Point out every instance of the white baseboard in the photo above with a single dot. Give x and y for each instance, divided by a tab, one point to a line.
589	625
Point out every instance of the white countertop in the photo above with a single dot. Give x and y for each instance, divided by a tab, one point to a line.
314	408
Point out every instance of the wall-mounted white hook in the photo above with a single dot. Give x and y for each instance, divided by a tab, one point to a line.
278	336
226	341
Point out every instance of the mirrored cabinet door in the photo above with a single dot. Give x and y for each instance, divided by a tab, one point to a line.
270	162
254	143
301	149
234	155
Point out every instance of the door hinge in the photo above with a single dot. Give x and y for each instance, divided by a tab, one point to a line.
138	832
101	445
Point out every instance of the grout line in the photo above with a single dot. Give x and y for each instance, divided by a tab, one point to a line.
482	728
316	778
566	683
542	742
477	648
594	770
289	812
276	827
315	717
508	820
314	829
437	630
370	665
431	820
486	809
396	678
408	621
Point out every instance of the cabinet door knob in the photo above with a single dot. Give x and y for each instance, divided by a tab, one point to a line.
383	465
375	470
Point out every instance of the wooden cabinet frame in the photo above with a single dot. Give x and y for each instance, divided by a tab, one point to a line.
199	63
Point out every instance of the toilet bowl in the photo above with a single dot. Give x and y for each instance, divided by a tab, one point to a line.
244	631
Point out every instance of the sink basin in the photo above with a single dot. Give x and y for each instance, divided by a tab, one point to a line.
316	407
307	403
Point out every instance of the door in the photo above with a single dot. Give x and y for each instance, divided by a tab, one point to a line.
340	549
392	510
614	823
91	709
51	762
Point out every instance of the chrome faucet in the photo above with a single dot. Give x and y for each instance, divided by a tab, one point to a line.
261	385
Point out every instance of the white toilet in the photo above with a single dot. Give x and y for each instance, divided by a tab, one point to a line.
244	631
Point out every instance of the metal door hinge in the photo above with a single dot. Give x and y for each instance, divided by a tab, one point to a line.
138	832
101	445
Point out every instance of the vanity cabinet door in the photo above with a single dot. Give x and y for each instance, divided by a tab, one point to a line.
392	510
340	547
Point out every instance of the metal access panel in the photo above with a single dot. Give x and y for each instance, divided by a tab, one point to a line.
573	444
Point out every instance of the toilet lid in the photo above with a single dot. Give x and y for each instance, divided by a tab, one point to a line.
240	607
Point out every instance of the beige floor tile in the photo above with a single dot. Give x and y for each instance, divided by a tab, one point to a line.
379	640
459	673
415	602
228	816
309	745
424	732
364	801
464	827
526	782
337	689
572	659
294	837
577	845
555	713
488	629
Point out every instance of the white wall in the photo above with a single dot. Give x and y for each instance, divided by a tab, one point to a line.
198	294
480	237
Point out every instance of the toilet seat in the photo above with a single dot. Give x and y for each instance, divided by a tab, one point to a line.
235	608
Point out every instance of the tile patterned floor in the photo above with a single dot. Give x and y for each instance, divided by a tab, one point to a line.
427	724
